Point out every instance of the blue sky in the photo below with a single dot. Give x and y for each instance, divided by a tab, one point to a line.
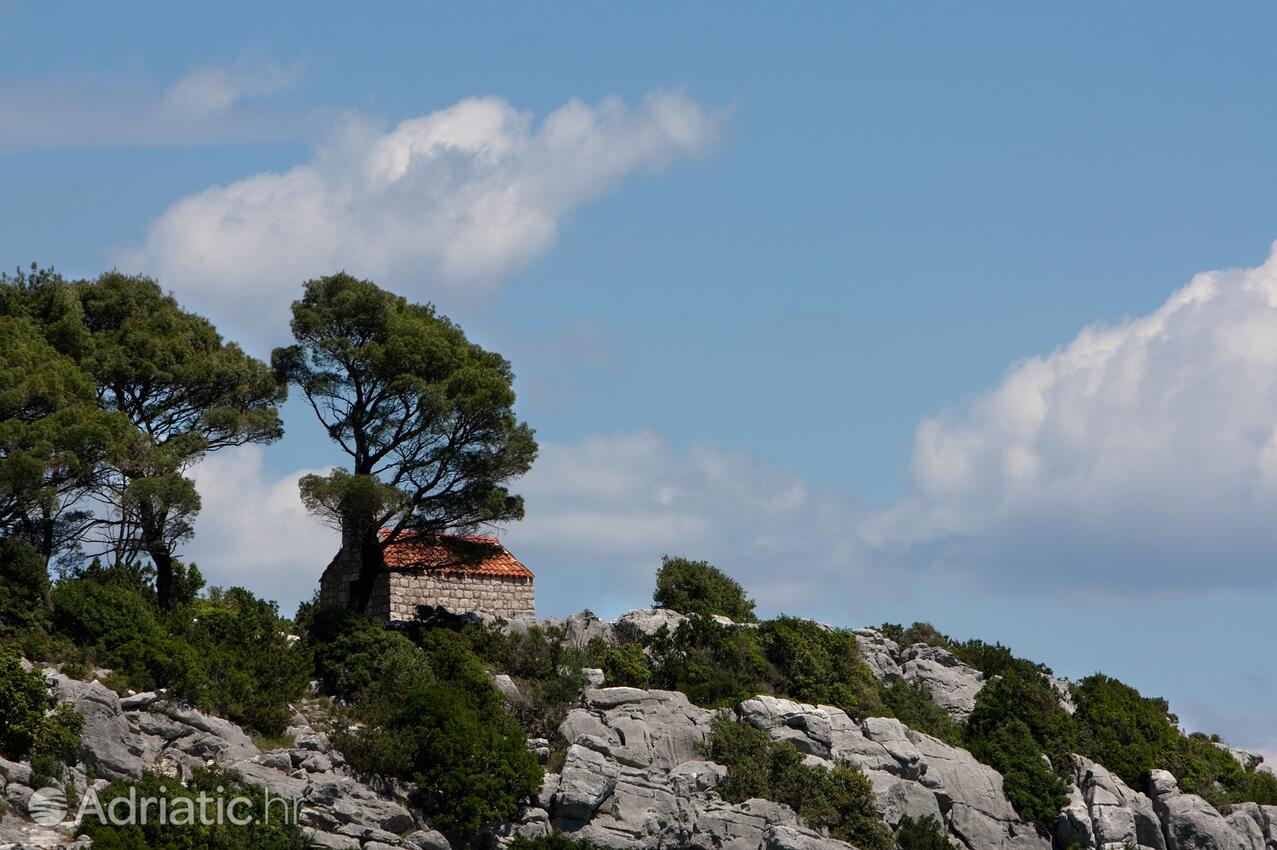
804	294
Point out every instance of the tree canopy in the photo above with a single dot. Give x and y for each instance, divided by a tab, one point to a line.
697	587
54	437
185	391
425	415
109	393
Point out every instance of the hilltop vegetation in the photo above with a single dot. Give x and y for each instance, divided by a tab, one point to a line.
110	392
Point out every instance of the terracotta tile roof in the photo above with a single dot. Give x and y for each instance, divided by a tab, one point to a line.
454	553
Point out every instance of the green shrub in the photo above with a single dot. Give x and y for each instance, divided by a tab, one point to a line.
989	659
622	665
1257	786
911	704
819	665
24	589
227	653
923	834
268	829
31	722
1127	733
349	650
103	615
1023	693
545	668
720	665
839	800
696	587
917	633
428	713
249	669
1028	781
715	665
1017	721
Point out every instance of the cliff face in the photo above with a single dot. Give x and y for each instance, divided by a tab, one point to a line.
636	775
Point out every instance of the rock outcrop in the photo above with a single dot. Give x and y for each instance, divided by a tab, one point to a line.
912	773
953	685
122	738
1190	823
635	773
1104	813
635	776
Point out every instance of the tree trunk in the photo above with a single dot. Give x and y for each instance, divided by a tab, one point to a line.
46	534
162	558
371	565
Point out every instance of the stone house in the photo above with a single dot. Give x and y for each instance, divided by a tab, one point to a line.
461	573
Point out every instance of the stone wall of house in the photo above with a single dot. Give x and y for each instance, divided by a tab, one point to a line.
396	595
506	597
334	585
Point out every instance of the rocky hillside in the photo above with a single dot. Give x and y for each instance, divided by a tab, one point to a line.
630	768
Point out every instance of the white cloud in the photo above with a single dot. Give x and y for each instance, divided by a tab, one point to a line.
454	199
213	89
601	512
210	103
599	515
253	531
1140	457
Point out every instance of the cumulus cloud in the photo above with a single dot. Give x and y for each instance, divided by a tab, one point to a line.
210	103
253	531
455	199
1141	456
602	511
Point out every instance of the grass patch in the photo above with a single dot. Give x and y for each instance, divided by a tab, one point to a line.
266	743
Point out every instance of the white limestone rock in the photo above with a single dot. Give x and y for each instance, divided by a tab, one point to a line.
647	622
1190	823
953	685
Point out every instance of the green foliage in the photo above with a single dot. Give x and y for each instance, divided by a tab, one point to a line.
109	388
1022	693
1132	734
270	828
911	704
819	665
185	391
719	665
696	587
546	670
227	653
714	664
840	800
1257	786
622	665
1127	733
426	416
352	652
917	633
107	617
1017	721
428	712
1029	783
923	834
249	669
53	436
989	659
31	723
24	589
